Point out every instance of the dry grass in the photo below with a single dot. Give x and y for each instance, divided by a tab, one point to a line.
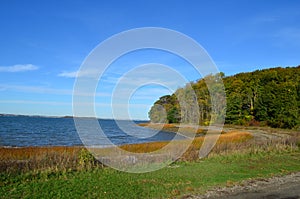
26	153
289	143
74	158
234	137
40	158
225	142
143	124
157	125
77	158
144	147
231	137
186	129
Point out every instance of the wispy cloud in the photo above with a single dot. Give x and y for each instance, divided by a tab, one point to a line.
263	19
35	102
18	68
91	73
142	93
58	103
68	74
289	35
46	90
35	89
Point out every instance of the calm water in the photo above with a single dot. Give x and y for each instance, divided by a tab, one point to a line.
19	131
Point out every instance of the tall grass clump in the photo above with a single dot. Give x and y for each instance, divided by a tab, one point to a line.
17	160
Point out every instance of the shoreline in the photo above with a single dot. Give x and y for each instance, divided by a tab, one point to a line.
42	152
173	128
234	139
234	152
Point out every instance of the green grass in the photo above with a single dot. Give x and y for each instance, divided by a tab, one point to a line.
182	178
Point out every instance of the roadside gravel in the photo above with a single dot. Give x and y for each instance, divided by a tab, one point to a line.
284	187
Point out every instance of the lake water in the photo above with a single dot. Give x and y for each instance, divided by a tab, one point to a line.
20	131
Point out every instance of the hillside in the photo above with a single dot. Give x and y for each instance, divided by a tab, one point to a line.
269	97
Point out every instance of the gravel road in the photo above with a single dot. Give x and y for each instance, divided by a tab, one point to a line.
284	187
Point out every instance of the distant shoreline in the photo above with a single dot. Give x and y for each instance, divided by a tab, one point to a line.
68	116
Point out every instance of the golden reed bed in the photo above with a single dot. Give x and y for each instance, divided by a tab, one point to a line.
62	158
39	153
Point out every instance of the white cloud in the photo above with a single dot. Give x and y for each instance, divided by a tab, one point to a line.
18	68
69	74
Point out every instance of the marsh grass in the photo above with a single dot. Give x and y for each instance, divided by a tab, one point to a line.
18	160
232	137
39	158
79	158
184	128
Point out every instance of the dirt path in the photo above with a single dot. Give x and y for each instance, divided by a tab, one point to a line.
285	187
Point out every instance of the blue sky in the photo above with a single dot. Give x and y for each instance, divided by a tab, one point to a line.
43	44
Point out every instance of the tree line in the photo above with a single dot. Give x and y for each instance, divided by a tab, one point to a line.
264	97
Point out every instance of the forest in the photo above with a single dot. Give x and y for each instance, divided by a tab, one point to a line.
268	97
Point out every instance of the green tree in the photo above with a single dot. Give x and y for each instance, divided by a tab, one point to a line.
173	115
269	96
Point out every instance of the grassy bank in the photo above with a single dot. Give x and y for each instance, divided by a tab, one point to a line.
25	159
181	178
71	172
